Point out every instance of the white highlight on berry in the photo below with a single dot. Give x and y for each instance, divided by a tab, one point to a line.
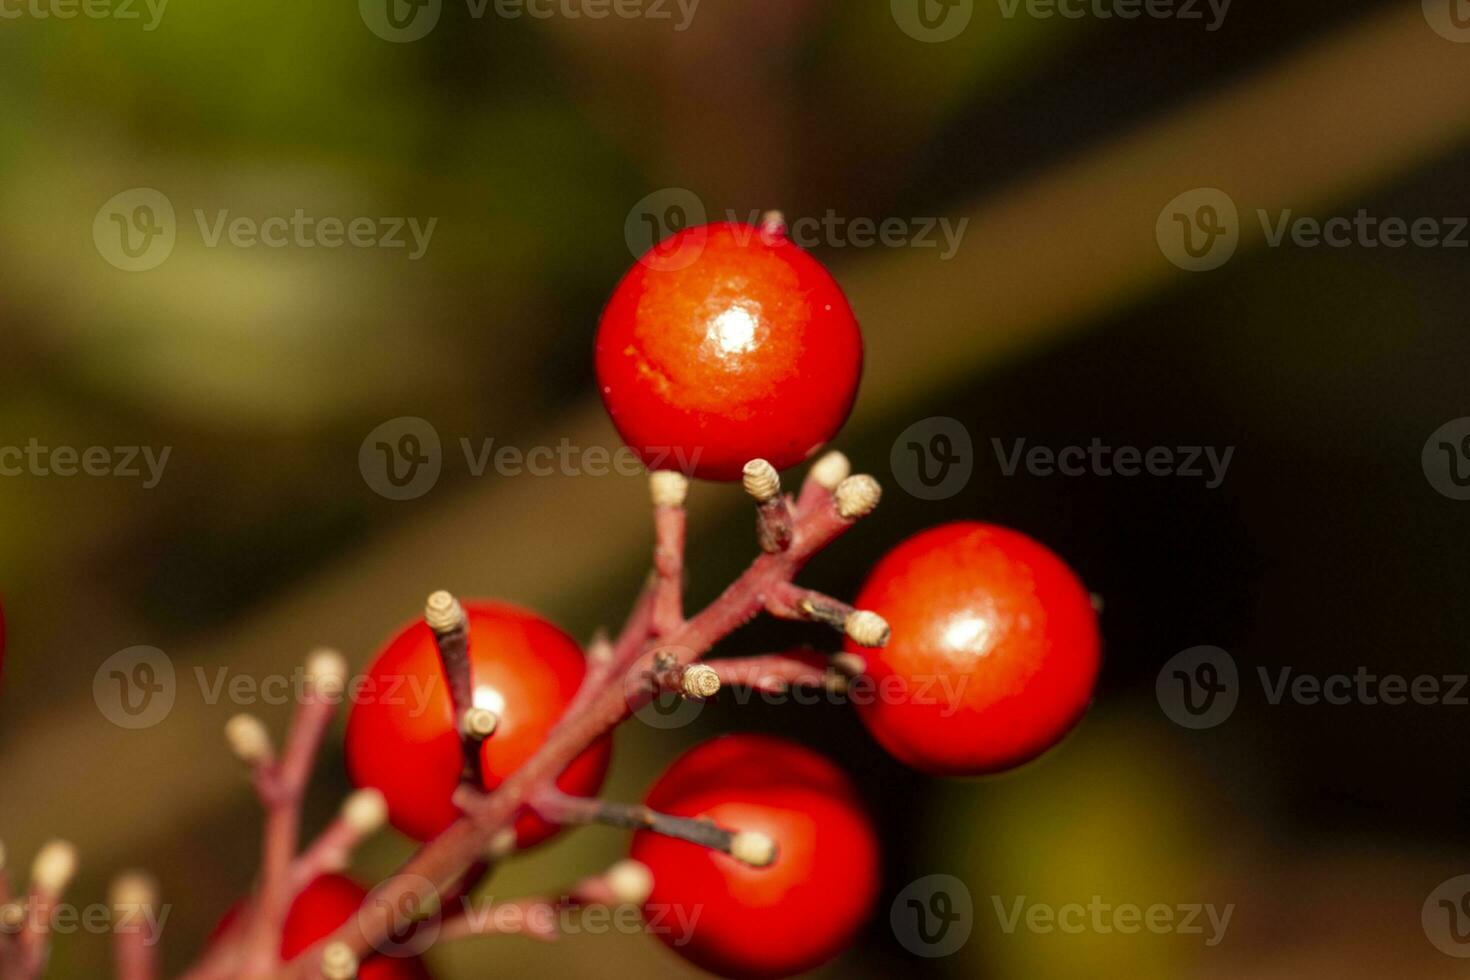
761	480
857	496
326	672
667	488
753	848
443	612
700	681
631	882
365	812
339	962
54	868
248	738
866	628
831	470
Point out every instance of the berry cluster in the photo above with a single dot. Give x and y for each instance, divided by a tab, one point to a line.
735	362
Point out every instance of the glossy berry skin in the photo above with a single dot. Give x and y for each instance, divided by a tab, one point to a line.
776	921
749	350
993	655
401	737
317	912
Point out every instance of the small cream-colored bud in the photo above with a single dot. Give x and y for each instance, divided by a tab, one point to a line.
761	480
857	496
866	628
849	664
700	681
326	672
480	722
631	882
339	962
248	738
502	845
831	470
133	890
12	918
668	488
443	612
54	867
753	848
365	811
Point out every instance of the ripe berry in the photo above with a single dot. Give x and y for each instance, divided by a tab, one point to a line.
401	734
790	916
321	908
993	655
748	351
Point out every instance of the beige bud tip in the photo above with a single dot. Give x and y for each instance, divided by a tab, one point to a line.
857	496
365	812
753	848
339	962
326	671
849	664
479	722
134	890
867	628
248	738
503	844
443	612
631	882
667	488
761	480
831	470
12	917
54	867
700	681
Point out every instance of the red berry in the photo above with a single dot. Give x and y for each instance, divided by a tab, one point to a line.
401	736
775	921
750	350
993	655
321	908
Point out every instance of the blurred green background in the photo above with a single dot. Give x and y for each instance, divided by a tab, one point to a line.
535	143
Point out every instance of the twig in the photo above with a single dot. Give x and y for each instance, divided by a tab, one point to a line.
134	952
780	672
53	869
668	490
625	883
747	846
363	814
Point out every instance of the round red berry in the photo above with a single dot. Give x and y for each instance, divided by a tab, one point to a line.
319	910
748	349
401	735
993	655
790	916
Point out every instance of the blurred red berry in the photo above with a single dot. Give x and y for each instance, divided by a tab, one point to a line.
748	350
993	655
790	916
401	735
